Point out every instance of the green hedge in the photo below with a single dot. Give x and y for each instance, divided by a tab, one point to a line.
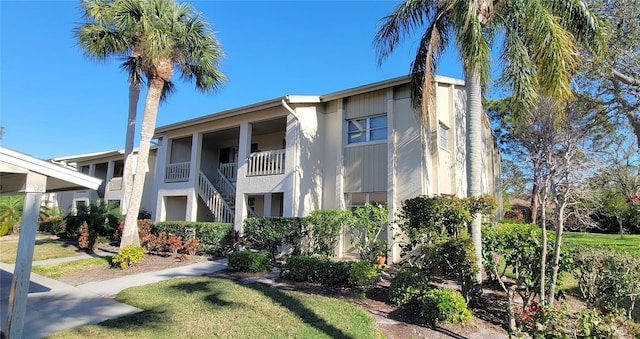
247	261
216	237
267	233
53	225
311	269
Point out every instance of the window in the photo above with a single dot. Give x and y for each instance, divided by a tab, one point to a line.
443	136
355	200
367	129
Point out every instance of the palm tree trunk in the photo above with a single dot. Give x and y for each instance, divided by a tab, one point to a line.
127	176
474	161
130	232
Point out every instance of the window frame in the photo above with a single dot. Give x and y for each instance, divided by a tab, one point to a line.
443	136
367	129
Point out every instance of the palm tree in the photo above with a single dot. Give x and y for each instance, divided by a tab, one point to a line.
174	37
112	28
538	42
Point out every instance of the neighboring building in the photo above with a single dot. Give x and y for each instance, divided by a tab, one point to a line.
108	166
295	154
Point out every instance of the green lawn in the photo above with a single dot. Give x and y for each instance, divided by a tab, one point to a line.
44	249
70	267
629	243
212	308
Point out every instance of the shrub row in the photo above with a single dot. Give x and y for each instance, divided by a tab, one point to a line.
608	279
311	269
216	237
52	225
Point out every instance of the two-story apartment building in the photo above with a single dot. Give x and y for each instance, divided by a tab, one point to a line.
295	154
108	166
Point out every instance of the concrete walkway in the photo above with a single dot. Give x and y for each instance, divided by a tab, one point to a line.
53	306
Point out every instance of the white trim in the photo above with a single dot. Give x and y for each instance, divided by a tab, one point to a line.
72	179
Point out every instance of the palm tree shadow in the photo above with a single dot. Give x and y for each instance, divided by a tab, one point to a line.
296	307
212	297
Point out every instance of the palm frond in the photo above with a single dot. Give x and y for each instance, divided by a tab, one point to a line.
432	45
470	39
403	20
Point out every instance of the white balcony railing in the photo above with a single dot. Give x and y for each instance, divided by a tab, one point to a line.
266	163
178	172
115	184
229	170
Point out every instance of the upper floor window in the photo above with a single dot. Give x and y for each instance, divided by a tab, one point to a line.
443	136
367	129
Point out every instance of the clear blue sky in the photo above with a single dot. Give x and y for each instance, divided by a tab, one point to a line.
56	102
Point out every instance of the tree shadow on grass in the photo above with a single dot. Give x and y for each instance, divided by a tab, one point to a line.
212	297
149	319
296	307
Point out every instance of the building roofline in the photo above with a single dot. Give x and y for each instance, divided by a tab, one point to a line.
296	99
70	159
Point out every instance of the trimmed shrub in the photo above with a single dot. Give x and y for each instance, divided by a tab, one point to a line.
52	225
407	286
128	256
452	257
324	230
444	305
608	279
247	261
267	233
310	269
363	274
216	237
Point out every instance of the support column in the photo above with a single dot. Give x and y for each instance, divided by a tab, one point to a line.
110	168
266	210
341	204
92	170
162	160
244	150
194	171
392	204
17	308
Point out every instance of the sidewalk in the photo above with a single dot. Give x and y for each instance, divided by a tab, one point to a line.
53	306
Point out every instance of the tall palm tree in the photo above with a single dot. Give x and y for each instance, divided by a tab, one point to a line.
174	37
539	50
102	37
112	28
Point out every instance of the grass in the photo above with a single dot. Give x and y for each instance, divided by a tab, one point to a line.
70	267
44	249
629	243
212	308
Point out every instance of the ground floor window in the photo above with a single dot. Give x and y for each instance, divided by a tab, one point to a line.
358	199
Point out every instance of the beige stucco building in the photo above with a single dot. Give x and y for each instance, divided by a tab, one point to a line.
295	154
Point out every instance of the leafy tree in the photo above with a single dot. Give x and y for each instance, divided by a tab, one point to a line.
538	49
617	207
615	78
